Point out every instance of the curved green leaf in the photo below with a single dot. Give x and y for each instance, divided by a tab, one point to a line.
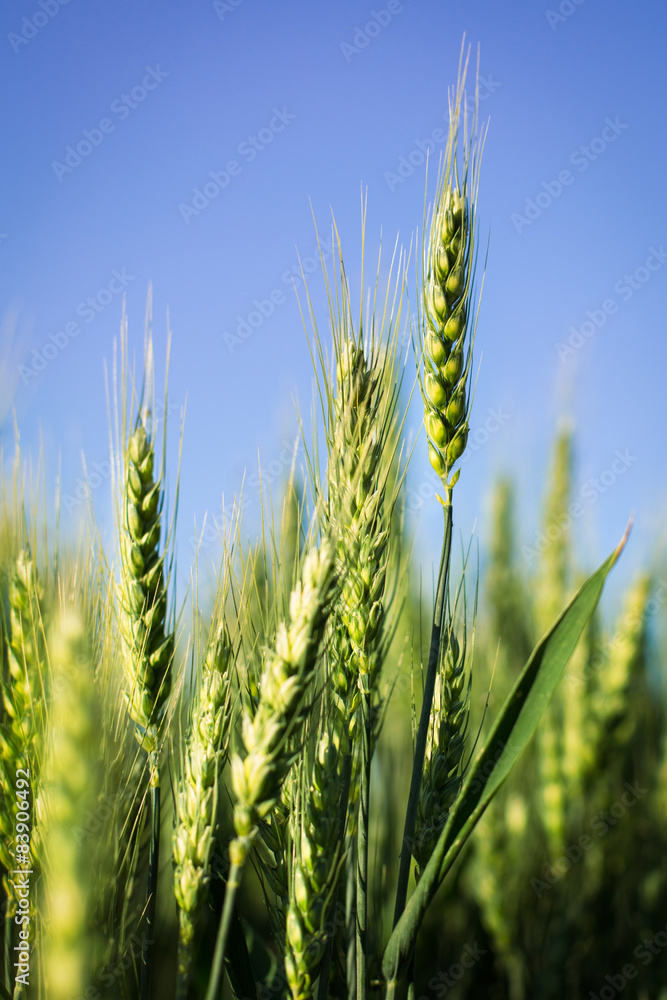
509	736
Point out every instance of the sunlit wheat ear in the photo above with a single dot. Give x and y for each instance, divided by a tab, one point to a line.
551	589
443	760
269	572
358	509
504	838
288	671
317	839
554	570
614	676
149	647
357	500
447	319
22	696
205	753
577	746
72	780
359	390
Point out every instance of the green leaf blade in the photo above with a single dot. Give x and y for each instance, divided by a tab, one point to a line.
513	728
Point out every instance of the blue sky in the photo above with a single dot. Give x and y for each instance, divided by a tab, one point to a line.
120	112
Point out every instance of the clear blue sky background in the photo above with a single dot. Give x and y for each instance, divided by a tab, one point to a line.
220	72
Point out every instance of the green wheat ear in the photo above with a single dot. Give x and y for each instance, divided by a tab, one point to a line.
205	753
551	588
317	849
22	699
446	328
143	592
72	780
288	670
443	760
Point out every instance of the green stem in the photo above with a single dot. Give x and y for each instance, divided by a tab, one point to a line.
147	950
422	733
325	967
362	838
184	969
18	990
233	882
350	921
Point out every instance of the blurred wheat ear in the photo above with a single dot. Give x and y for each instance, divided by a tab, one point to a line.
73	779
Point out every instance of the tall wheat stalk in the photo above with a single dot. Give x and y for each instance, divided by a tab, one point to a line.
147	634
446	334
358	388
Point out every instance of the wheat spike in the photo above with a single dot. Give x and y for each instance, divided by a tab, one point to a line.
20	733
143	593
445	746
448	295
72	780
205	753
288	670
317	840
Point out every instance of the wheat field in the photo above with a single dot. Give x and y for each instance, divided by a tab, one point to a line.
317	778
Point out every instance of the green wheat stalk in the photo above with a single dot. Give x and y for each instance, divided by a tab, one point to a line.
148	641
446	336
